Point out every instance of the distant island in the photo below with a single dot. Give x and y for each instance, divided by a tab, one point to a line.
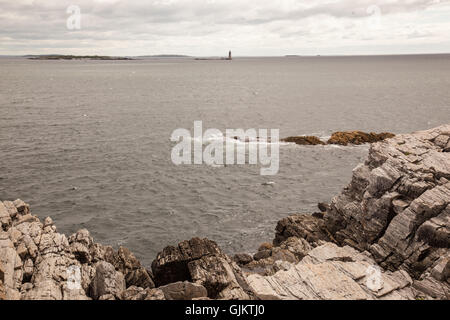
72	57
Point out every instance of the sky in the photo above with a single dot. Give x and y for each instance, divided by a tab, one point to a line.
212	27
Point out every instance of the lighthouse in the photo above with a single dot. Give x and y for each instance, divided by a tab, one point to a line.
229	55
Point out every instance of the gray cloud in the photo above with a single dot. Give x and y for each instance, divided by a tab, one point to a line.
203	26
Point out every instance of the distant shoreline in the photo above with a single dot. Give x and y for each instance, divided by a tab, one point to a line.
201	58
72	57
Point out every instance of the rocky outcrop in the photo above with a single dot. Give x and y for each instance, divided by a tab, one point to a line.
38	263
393	217
397	204
357	137
342	138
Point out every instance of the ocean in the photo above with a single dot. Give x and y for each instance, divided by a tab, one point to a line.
88	142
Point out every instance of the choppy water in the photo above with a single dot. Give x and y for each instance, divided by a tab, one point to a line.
87	142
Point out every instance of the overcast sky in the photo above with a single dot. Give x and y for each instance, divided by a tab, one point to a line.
212	27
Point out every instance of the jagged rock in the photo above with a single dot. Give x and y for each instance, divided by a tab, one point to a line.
300	226
183	291
304	140
357	137
107	281
200	261
50	266
331	272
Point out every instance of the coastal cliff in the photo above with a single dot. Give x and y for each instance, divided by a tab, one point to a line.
385	236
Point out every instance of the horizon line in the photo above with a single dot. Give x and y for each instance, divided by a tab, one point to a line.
180	55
